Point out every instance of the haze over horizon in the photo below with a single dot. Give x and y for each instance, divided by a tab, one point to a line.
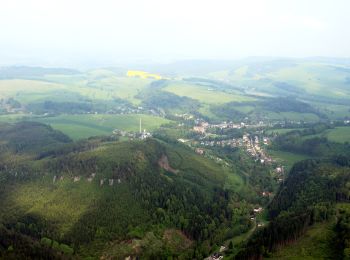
67	33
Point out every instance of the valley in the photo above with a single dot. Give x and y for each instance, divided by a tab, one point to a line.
113	163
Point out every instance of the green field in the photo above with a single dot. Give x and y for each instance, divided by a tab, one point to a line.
87	125
83	126
106	85
26	91
282	130
339	134
286	157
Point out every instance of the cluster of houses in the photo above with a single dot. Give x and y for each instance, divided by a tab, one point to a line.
184	116
125	110
10	106
280	173
202	126
253	146
254	213
222	143
133	135
215	256
255	150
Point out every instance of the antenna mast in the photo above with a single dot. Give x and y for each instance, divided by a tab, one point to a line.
140	126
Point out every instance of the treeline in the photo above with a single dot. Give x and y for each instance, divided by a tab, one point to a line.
289	104
167	101
78	107
54	107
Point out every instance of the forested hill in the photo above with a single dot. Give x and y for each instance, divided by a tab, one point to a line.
102	197
309	195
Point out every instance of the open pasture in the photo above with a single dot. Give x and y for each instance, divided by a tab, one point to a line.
83	126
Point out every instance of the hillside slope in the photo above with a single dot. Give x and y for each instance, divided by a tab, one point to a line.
104	197
314	200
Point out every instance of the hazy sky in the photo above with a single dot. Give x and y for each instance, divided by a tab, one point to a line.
101	31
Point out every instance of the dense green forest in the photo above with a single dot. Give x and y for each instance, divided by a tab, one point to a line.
118	191
309	195
312	202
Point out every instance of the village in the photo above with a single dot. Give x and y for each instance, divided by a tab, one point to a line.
253	142
142	134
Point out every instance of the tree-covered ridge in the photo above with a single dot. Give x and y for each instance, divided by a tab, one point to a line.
261	108
79	105
309	183
167	101
309	195
92	192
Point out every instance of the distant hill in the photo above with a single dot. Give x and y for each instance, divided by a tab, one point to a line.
24	72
